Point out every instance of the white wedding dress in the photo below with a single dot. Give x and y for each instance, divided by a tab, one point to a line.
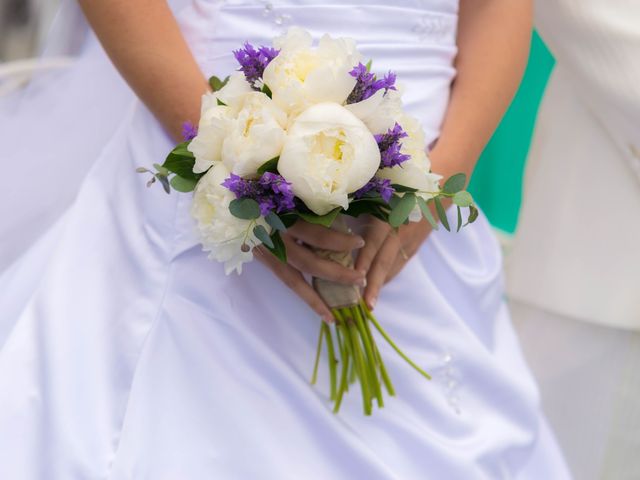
125	354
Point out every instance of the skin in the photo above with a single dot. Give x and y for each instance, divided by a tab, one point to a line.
145	44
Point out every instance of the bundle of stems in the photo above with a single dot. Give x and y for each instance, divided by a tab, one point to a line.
350	344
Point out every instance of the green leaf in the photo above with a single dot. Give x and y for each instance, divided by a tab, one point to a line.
182	150
402	188
181	166
269	166
455	183
473	215
164	181
441	214
244	208
459	219
141	170
401	211
220	103
368	65
426	213
216	84
161	170
324	220
261	232
463	199
274	222
266	90
183	184
279	250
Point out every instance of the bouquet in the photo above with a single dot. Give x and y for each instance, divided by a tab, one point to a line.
304	132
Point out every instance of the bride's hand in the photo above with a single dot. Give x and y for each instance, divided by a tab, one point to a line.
387	252
301	259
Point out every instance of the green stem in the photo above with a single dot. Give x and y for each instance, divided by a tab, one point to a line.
393	345
360	367
314	377
332	361
371	363
344	376
383	369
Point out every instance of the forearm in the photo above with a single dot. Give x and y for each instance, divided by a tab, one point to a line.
493	46
145	44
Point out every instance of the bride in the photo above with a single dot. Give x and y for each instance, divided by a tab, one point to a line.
125	354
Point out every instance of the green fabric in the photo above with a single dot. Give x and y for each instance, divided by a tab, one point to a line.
497	180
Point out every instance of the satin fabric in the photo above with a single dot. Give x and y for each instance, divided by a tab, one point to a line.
126	354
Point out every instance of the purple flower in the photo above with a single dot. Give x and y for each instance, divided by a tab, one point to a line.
390	145
253	62
367	83
381	186
271	191
189	131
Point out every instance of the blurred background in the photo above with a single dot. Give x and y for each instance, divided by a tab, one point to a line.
497	181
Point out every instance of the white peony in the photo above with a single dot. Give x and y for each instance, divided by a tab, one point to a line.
328	154
256	134
221	234
415	172
244	133
302	75
380	111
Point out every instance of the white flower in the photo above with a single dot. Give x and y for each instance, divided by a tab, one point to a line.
302	75
415	172
328	154
244	133
221	234
256	134
380	111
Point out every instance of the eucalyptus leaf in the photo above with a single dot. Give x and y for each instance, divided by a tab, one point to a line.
182	150
473	215
279	250
401	211
324	220
442	214
459	219
426	213
142	170
266	90
183	184
402	188
274	222
244	208
164	181
269	166
182	166
455	183
216	84
261	233
463	199
220	103
161	170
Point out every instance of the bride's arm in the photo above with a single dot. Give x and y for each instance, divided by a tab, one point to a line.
493	45
144	42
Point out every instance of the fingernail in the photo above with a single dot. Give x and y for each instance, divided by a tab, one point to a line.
372	303
360	243
362	282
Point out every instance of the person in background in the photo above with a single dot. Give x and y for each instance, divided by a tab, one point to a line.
573	274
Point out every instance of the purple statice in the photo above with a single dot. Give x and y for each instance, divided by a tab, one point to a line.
390	145
377	185
253	62
367	83
271	191
189	131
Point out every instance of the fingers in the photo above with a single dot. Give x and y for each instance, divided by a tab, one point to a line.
307	261
322	237
382	264
293	279
375	235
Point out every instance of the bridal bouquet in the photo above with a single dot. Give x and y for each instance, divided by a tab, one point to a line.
304	132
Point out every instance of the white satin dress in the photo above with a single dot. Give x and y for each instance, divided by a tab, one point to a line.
126	354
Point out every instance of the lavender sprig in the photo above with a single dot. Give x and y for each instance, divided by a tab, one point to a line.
389	144
271	191
189	131
379	185
253	62
367	83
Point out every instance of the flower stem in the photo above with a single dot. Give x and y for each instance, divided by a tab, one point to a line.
391	342
371	360
332	361
314	377
360	366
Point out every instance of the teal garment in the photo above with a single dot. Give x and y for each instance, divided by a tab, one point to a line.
497	180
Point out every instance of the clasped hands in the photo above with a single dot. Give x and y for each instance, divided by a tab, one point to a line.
381	254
